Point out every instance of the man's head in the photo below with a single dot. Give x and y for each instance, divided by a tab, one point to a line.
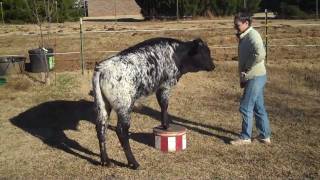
242	21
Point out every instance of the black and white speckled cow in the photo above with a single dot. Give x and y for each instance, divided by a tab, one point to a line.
154	65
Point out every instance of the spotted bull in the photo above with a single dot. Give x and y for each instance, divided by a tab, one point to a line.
154	65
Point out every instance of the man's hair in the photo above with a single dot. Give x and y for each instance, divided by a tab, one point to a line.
243	16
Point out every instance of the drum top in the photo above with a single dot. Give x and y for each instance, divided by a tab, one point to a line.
173	130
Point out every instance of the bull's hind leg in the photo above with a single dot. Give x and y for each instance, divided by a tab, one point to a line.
123	126
163	100
101	128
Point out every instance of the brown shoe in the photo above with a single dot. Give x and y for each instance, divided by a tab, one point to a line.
237	142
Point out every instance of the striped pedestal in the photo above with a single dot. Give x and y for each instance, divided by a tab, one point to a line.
170	140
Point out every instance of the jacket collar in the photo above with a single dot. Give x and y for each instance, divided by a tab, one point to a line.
242	35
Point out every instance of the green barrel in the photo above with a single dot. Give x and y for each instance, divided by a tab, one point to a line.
50	58
2	81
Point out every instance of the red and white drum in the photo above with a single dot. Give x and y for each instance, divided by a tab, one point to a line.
170	140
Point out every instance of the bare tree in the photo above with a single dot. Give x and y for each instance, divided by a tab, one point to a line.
42	11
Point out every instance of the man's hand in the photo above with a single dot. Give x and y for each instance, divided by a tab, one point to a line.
243	79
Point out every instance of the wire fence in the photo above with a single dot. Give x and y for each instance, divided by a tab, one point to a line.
196	30
293	52
100	44
91	38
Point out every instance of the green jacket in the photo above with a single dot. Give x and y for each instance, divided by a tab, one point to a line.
251	54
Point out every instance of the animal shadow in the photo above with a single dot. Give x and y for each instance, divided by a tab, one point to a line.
187	124
143	138
47	121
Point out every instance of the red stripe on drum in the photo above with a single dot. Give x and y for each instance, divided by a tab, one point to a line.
179	143
164	144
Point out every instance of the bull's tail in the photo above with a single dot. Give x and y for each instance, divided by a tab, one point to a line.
97	94
103	110
101	103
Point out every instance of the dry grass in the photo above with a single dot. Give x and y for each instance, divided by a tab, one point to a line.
47	131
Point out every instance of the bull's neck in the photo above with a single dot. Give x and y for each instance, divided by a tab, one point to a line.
181	59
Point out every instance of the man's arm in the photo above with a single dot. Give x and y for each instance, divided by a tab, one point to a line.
257	49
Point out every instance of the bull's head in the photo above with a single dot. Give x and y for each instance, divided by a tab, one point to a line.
197	58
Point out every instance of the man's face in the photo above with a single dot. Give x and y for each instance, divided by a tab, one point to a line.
241	26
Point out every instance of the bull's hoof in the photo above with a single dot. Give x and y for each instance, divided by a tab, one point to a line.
106	163
165	126
91	93
134	166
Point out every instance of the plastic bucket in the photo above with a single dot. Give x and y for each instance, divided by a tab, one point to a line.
41	60
50	58
12	65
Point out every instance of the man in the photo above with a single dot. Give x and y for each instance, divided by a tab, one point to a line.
252	74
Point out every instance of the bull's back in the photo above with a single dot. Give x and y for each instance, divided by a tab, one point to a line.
116	82
127	77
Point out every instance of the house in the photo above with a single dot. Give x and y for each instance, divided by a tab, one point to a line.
113	8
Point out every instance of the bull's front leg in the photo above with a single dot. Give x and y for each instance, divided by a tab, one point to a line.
122	131
163	100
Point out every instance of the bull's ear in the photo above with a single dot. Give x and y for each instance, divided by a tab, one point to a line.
194	45
199	42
